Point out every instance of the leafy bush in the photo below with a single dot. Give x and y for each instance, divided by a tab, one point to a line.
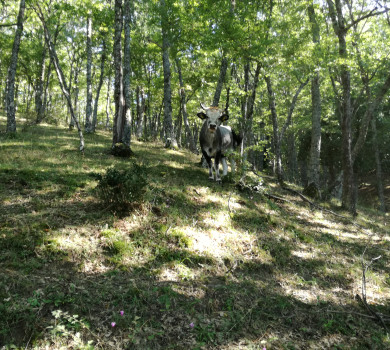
120	188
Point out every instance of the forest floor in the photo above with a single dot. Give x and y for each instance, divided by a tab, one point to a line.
196	265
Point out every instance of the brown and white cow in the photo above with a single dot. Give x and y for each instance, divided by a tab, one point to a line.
216	140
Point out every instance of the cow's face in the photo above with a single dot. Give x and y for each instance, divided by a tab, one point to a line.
213	117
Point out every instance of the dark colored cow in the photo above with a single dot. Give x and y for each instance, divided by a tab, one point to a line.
216	140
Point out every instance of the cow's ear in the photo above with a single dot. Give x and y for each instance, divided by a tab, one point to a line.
202	115
224	117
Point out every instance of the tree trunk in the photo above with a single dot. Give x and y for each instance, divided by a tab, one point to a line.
276	140
183	101
60	75
10	94
101	80
221	80
118	89
247	106
39	88
313	187
75	97
348	197
170	137
379	181
140	112
127	73
88	108
108	103
278	137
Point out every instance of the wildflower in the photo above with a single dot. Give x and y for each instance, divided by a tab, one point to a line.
192	325
122	312
113	324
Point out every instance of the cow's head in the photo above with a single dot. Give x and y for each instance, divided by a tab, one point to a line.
213	116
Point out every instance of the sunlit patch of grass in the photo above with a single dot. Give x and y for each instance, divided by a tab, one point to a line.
235	264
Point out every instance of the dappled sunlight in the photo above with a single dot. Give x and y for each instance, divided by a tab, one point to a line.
192	260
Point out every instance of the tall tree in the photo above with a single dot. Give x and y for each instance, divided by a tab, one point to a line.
170	137
313	184
127	72
60	74
121	130
183	103
221	80
99	87
10	93
341	26
278	135
88	107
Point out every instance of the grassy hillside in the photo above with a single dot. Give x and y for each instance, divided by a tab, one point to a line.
196	265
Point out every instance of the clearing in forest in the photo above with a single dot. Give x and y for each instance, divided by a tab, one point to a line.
195	265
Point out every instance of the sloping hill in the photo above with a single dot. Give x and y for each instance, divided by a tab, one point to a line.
195	265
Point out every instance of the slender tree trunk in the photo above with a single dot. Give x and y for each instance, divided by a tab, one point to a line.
313	187
88	108
221	80
348	197
140	112
127	73
61	77
170	137
75	97
278	137
379	181
248	106
118	90
101	81
10	94
108	103
39	88
183	102
275	127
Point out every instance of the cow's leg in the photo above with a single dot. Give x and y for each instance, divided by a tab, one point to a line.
209	163
224	166
218	158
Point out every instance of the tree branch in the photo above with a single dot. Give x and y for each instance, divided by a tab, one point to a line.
7	24
368	15
292	107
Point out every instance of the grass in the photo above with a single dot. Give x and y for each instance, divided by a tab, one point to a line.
195	265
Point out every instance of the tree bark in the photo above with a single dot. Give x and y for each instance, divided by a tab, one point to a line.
278	137
140	112
39	87
379	181
275	127
88	108
108	103
183	101
170	137
221	80
313	187
118	89
127	73
101	81
10	94
340	29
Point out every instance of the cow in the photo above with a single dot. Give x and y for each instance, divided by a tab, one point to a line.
216	140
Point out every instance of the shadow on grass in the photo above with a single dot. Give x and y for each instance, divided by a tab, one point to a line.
214	303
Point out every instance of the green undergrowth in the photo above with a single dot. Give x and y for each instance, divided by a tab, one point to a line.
190	264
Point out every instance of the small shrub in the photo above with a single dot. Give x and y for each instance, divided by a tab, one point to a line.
120	189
